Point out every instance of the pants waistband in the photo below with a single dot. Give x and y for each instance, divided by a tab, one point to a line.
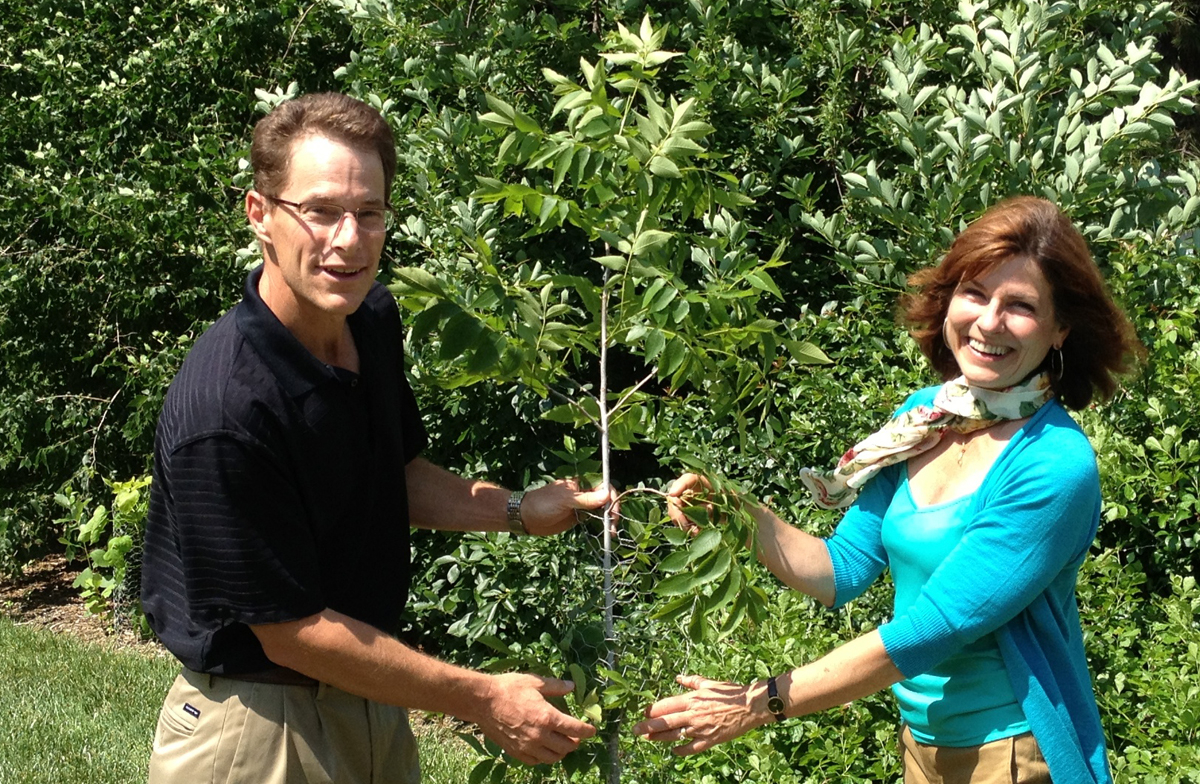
280	676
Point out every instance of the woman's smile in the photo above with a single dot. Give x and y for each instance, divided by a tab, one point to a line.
1001	325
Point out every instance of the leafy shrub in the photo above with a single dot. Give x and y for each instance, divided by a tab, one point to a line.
120	133
776	168
1145	655
110	541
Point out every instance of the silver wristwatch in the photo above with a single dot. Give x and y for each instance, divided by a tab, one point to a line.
515	524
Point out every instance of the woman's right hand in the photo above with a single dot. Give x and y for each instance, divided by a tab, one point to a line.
688	490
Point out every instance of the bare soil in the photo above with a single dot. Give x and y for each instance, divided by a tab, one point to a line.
44	597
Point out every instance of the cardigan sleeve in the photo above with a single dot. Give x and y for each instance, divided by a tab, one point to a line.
856	547
1035	519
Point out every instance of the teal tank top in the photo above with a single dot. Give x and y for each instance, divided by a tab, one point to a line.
967	699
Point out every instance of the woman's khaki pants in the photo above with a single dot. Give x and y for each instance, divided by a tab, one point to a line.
216	730
1015	760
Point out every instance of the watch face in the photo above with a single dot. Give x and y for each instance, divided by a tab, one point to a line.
775	705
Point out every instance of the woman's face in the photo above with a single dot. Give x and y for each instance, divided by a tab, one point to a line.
1001	325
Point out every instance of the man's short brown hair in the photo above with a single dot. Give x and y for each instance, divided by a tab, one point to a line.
331	115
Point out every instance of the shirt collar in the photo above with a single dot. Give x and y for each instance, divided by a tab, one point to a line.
293	365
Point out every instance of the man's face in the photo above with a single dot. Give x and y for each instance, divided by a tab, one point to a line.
325	270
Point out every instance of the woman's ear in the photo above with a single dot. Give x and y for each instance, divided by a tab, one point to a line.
1063	331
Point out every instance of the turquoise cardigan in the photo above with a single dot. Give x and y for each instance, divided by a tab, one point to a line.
1013	575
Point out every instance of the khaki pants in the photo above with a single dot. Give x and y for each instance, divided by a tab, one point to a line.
1015	760
215	730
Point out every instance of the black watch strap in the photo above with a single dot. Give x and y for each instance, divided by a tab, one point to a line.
774	701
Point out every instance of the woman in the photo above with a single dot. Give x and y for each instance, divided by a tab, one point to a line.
982	497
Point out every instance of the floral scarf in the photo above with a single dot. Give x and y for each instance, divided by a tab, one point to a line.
957	407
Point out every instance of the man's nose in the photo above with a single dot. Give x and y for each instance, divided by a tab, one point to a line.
346	231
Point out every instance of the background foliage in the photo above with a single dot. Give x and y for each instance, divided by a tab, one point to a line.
748	183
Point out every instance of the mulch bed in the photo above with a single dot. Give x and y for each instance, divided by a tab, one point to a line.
43	596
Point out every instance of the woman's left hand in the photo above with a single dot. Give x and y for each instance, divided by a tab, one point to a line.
711	713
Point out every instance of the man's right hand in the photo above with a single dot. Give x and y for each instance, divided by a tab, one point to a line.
519	719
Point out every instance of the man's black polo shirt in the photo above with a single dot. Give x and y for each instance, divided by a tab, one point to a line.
279	485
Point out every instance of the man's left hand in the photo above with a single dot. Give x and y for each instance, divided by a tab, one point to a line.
556	507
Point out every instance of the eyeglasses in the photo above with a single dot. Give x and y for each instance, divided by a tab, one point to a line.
322	215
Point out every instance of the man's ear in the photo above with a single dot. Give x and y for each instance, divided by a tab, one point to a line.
256	213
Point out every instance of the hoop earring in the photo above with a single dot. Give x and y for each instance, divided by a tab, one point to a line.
945	326
1056	375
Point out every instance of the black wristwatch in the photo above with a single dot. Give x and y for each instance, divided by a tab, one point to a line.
774	701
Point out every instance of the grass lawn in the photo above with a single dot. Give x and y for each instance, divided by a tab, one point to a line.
83	713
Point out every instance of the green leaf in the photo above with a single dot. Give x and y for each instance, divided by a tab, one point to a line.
676	561
563	164
459	333
704	543
677	585
648	240
480	772
579	677
726	592
761	280
663	299
730	201
672	357
672	609
693	130
806	353
555	78
1003	62
735	617
497	120
91	531
496	644
697	626
621	58
486	354
664	167
526	124
1071	167
500	106
655	59
679	147
1139	129
655	341
714	567
617	263
658	117
418	279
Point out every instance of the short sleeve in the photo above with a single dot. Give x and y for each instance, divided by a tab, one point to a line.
245	542
415	436
1031	531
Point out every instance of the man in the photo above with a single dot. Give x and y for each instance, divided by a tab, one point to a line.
287	474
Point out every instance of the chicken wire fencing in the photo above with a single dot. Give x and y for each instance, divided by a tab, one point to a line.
589	606
583	606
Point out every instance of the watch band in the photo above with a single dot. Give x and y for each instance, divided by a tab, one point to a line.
515	524
774	701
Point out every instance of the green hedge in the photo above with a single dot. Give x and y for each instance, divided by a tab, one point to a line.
828	149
